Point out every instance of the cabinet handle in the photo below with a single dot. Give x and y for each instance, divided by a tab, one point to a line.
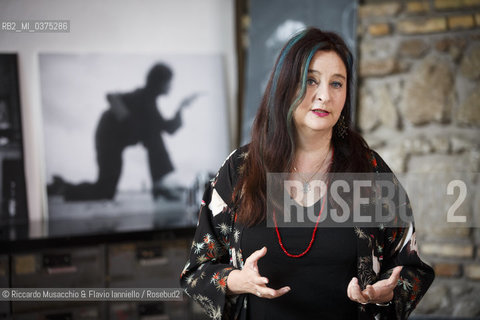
59	270
58	263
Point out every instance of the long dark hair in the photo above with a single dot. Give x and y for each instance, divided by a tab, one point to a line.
272	146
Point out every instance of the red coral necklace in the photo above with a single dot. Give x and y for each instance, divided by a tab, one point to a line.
314	230
311	240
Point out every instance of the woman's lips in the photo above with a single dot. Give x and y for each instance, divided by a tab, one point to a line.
320	112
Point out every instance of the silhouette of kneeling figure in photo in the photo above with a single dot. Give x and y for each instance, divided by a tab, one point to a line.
132	118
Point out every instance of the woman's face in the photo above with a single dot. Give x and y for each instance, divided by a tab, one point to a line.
326	92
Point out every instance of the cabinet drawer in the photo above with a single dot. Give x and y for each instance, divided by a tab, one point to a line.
162	310
57	268
147	264
85	312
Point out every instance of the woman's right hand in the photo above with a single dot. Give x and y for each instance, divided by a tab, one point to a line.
249	280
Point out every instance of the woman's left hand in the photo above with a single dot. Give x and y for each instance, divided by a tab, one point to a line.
380	292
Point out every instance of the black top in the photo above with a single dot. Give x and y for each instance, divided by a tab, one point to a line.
318	280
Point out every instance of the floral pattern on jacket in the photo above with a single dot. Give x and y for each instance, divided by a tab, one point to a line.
216	251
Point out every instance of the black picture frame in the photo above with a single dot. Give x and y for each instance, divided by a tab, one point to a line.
13	197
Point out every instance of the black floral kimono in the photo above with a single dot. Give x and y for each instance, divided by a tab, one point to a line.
216	252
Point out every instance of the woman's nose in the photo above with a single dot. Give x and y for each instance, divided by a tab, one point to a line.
322	93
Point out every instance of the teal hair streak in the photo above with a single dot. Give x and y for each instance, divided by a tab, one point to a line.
280	63
271	98
301	92
276	75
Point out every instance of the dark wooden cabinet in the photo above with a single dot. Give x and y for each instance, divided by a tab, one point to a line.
152	258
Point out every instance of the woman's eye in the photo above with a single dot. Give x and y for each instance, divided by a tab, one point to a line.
311	82
337	84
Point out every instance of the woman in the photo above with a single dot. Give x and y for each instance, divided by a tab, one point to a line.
241	268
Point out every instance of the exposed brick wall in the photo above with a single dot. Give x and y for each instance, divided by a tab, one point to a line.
419	107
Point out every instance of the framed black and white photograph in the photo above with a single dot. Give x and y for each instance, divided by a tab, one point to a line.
129	134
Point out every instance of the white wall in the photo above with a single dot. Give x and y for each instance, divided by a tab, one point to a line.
110	26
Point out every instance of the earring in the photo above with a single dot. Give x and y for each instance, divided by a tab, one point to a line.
342	129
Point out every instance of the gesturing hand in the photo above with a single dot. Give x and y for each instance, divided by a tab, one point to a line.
380	292
249	280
